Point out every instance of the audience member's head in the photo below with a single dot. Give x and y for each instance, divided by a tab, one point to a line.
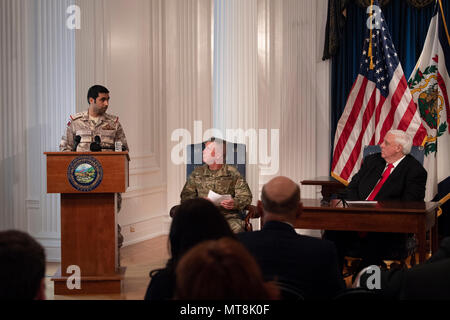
221	270
280	200
22	267
195	220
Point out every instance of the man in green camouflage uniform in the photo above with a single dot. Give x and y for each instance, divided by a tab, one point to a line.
222	179
95	122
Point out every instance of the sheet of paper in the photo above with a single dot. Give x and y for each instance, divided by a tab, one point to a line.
362	202
218	198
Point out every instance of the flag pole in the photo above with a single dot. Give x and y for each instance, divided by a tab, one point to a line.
370	40
447	197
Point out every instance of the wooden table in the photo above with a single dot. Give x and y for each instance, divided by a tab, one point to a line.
329	186
405	217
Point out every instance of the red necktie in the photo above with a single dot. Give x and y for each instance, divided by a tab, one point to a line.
381	182
377	188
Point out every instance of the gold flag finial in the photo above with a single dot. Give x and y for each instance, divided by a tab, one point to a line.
371	66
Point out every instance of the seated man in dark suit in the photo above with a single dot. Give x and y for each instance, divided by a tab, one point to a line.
305	262
392	174
430	280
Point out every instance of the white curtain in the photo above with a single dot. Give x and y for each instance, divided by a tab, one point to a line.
268	75
236	78
188	80
38	95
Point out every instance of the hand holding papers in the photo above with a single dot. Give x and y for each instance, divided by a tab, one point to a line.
218	198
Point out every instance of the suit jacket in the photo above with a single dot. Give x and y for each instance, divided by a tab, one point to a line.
306	262
407	181
430	280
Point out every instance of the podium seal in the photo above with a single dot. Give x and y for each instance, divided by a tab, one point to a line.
85	173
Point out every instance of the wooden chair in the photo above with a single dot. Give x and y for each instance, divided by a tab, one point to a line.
289	291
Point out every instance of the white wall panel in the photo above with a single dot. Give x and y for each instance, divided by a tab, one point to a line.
37	83
13	114
235	76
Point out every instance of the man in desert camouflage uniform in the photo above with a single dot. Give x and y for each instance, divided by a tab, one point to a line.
95	122
222	179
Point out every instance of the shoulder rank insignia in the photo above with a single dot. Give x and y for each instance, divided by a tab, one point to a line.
76	116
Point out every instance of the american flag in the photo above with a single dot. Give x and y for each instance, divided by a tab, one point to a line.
379	100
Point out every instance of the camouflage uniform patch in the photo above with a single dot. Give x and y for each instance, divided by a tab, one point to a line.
226	180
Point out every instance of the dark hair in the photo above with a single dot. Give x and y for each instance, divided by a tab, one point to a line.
95	90
195	220
22	265
221	270
288	205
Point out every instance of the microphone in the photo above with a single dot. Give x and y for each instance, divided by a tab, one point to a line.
77	142
95	146
341	197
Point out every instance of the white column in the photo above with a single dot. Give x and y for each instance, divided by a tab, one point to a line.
294	90
13	122
51	99
235	76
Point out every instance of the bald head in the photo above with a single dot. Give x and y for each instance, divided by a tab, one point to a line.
280	195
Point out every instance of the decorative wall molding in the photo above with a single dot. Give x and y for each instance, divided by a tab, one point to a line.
33	204
146	229
52	248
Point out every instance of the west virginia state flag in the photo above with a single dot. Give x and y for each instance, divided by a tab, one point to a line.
430	84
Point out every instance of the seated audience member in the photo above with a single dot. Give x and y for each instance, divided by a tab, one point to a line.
308	263
195	220
22	267
392	174
221	270
430	281
220	178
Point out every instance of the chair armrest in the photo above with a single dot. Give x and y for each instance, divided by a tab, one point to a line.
173	210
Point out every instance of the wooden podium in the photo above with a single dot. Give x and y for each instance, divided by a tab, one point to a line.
88	183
